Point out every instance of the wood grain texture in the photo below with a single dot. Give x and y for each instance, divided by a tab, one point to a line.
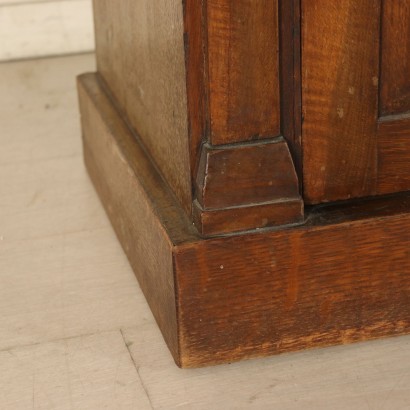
290	80
233	76
344	277
232	72
395	58
246	186
243	60
211	222
340	54
394	155
63	274
141	56
196	52
113	159
348	150
341	277
234	67
236	175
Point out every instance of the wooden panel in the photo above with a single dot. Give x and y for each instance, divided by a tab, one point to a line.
394	125
340	68
140	55
113	159
248	217
394	155
344	277
243	41
395	67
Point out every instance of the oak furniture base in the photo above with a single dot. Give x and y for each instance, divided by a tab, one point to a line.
341	276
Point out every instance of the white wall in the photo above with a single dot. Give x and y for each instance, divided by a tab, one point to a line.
37	28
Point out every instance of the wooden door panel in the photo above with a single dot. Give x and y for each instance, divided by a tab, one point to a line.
394	124
339	81
349	78
395	58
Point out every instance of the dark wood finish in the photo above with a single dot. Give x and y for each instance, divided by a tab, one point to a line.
196	52
340	58
348	151
395	58
233	81
141	57
329	282
212	222
341	277
243	59
290	79
394	155
200	72
250	173
246	186
198	128
128	185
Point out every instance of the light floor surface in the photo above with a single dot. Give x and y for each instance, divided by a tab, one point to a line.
75	330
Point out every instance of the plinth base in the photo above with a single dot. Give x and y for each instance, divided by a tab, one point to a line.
343	276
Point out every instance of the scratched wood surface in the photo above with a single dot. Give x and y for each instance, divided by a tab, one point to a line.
70	307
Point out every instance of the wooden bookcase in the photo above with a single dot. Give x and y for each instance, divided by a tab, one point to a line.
254	160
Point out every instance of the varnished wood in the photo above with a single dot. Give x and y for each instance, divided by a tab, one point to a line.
59	257
229	83
124	198
216	300
141	57
355	70
219	221
238	175
246	186
217	80
243	60
329	282
394	154
195	38
290	80
198	128
340	49
233	78
395	58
